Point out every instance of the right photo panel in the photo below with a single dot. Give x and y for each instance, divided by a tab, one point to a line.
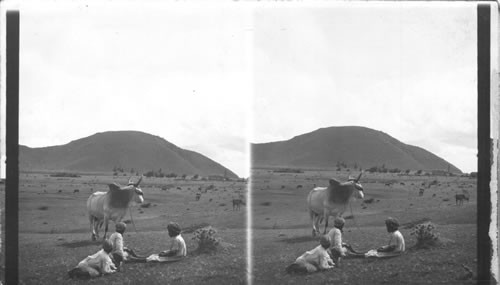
364	166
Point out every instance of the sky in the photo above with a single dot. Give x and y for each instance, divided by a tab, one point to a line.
175	71
213	78
406	69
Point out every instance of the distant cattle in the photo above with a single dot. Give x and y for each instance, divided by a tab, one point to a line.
60	191
459	198
324	202
76	191
198	196
421	192
237	204
299	186
112	205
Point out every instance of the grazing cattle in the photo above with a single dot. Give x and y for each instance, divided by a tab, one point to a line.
76	191
112	205
237	203
60	191
421	192
459	198
324	202
198	196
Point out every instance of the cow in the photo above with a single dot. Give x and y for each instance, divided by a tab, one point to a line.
112	205
237	204
198	196
459	198
421	192
324	202
76	191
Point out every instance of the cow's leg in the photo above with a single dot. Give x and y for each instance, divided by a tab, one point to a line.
326	215
312	215
106	221
92	230
97	224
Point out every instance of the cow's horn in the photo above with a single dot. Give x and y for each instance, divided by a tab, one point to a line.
359	176
138	182
130	180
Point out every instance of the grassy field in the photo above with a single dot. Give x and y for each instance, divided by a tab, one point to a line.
54	231
282	228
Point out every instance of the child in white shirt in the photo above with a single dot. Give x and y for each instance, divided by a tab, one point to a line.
339	249
177	249
396	243
118	254
177	245
95	265
313	260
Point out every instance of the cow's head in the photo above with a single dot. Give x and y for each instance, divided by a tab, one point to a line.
139	195
355	183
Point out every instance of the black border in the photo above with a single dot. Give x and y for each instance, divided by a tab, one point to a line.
484	244
484	144
12	148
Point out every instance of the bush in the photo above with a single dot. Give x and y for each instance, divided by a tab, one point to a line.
426	237
207	241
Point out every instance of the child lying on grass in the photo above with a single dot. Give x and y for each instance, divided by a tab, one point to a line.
95	265
313	260
396	244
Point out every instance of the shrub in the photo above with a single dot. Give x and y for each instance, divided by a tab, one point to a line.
425	235
207	241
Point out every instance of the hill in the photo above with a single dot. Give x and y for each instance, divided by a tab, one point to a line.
125	149
364	147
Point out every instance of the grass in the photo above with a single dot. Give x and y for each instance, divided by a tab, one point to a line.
275	248
222	267
54	239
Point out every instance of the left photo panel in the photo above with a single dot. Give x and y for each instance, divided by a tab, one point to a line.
133	157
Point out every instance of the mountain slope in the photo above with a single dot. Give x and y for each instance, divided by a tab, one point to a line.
126	149
325	147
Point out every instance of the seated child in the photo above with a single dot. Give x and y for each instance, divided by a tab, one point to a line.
177	245
313	260
120	253
95	265
396	244
337	248
175	252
